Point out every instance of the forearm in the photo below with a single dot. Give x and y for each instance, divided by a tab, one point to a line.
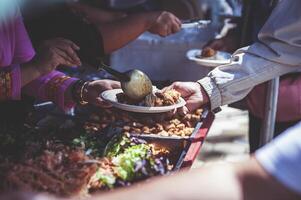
96	14
246	180
55	87
230	83
119	33
28	73
197	184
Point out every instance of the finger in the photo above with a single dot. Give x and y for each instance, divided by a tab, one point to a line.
101	103
167	88
173	86
182	88
182	111
176	28
115	85
173	112
178	21
70	52
72	44
169	31
62	61
65	56
164	31
192	105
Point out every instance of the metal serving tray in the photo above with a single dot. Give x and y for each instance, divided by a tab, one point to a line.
183	157
193	137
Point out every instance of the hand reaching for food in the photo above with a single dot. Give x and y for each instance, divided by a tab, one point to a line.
165	24
56	52
95	88
49	56
192	92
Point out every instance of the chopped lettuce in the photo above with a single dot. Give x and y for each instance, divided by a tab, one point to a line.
106	178
125	163
117	146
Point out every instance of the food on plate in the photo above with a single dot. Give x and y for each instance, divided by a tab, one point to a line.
207	52
157	98
135	123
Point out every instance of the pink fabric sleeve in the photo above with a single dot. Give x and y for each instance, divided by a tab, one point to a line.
15	49
23	50
10	83
16	83
52	87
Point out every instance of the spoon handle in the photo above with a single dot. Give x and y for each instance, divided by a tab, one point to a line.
117	74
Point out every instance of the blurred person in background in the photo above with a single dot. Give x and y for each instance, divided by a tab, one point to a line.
95	30
255	14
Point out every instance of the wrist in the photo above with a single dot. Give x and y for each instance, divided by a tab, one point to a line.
85	91
29	72
40	68
79	92
151	18
206	99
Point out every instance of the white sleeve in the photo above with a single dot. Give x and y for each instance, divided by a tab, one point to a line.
282	158
277	53
230	83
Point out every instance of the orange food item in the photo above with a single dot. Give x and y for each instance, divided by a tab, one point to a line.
208	52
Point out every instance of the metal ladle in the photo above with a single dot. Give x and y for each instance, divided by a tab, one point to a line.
134	83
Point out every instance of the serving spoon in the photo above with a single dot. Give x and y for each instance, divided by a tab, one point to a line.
134	83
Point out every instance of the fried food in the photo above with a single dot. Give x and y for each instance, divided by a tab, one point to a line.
135	123
166	98
208	52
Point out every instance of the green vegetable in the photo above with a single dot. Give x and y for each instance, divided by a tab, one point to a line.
125	163
106	178
90	144
117	146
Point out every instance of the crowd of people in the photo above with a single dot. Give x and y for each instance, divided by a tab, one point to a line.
71	33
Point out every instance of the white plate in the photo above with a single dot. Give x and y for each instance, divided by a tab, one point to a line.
221	58
110	96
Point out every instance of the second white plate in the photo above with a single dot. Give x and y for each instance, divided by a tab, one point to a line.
110	96
221	58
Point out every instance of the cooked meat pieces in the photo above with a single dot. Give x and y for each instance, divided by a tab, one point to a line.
208	52
145	124
167	98
182	126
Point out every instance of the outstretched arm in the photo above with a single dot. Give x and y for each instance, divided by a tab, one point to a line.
225	181
124	28
119	33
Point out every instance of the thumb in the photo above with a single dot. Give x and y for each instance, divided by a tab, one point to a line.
193	105
101	103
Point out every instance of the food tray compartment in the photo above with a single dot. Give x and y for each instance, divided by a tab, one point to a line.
193	137
183	157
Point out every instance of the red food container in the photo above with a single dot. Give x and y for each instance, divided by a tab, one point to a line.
196	145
